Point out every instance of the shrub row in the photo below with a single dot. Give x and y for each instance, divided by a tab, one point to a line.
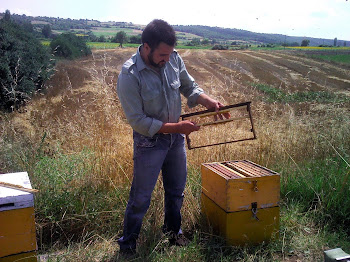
25	63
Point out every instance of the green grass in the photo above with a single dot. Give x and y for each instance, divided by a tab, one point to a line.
319	187
272	94
338	58
72	200
319	48
45	42
100	45
305	229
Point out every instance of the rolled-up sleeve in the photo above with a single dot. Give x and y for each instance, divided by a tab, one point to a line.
189	88
128	90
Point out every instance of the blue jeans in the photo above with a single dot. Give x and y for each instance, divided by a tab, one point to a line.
162	152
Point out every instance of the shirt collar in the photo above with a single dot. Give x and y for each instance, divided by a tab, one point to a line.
139	61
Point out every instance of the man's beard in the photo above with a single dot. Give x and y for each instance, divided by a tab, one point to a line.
154	64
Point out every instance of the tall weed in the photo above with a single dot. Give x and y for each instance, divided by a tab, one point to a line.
320	187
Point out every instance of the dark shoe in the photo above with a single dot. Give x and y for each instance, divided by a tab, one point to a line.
179	240
127	253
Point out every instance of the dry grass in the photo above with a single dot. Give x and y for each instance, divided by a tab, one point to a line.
80	110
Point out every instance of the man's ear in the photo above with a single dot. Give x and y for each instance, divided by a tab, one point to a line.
146	47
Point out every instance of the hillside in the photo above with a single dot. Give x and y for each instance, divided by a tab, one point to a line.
212	33
229	34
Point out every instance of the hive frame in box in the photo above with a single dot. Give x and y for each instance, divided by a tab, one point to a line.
221	111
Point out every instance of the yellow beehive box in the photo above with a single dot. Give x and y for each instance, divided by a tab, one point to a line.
241	201
242	227
17	223
234	185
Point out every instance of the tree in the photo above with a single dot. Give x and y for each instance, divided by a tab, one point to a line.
305	42
24	65
7	16
196	41
135	39
102	39
335	42
121	38
46	31
70	46
91	37
205	41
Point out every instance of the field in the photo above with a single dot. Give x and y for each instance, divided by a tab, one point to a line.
113	30
76	145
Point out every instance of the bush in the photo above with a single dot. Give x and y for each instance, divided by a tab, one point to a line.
70	46
305	42
24	65
219	47
135	39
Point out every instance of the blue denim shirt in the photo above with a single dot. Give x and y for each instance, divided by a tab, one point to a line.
150	99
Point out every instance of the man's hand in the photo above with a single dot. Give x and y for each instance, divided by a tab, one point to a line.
187	127
183	127
210	103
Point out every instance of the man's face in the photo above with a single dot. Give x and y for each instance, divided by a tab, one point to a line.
160	55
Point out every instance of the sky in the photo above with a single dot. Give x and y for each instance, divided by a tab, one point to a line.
306	18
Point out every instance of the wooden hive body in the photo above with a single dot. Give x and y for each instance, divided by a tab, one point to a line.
17	221
241	201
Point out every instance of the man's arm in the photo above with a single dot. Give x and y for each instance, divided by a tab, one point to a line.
183	127
186	127
130	98
209	102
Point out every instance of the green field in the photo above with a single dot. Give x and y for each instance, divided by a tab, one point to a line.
113	30
338	58
98	45
109	45
330	54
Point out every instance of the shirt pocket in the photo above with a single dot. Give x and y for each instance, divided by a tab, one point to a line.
149	92
173	76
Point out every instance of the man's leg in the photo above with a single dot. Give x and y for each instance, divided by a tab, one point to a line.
174	173
149	155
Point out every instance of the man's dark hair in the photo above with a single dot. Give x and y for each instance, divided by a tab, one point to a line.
158	31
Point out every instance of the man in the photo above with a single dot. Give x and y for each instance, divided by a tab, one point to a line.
149	88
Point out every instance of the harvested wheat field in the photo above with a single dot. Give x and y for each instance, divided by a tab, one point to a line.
74	141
